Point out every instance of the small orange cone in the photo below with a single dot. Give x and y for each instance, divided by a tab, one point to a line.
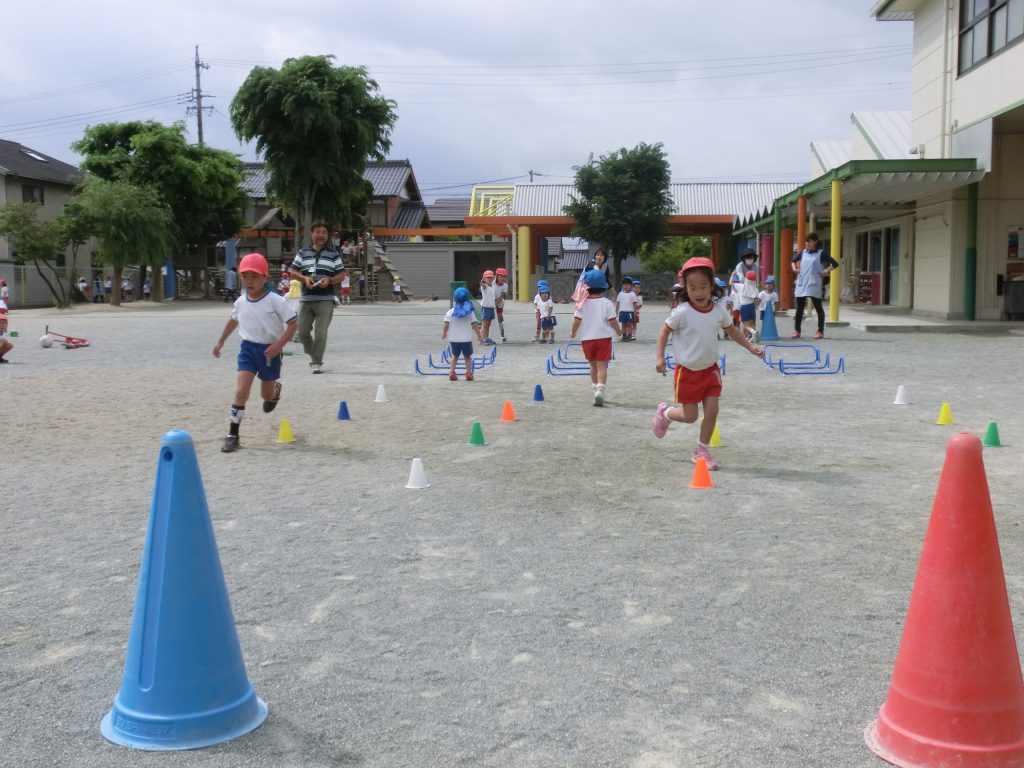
508	413
701	476
956	696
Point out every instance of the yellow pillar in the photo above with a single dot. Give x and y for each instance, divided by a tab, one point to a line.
835	248
523	263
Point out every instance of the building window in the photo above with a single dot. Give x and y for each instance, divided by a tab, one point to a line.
31	194
986	27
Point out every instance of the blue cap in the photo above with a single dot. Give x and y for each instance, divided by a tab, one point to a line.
720	282
542	286
769	279
594	278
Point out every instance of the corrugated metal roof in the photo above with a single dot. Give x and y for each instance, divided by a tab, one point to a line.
388	178
689	199
574	260
19	160
449	209
409	216
254	180
887	132
831	154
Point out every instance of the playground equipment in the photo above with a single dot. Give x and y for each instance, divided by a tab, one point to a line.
561	364
69	342
816	365
482	360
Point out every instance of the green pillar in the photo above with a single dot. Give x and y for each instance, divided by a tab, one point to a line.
971	256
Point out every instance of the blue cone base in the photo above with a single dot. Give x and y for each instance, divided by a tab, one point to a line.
163	734
769	330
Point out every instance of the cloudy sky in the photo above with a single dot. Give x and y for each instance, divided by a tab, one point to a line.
733	89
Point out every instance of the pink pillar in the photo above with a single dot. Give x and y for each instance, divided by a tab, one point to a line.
767	257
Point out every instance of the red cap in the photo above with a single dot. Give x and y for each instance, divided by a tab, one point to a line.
500	271
254	262
696	262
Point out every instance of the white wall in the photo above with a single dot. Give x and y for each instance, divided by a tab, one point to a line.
1000	206
926	78
991	88
933	238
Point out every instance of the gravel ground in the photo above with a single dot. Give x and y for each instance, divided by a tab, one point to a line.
559	597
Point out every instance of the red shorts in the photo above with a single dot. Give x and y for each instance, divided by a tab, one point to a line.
694	386
597	349
346	291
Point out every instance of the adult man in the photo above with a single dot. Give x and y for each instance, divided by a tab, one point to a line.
319	268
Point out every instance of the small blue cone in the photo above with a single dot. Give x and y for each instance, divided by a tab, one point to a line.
538	394
184	683
769	331
343	412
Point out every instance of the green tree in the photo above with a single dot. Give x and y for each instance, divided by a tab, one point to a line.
623	201
202	186
131	224
316	125
40	243
669	254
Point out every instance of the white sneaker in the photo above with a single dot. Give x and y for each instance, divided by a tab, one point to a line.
599	396
317	367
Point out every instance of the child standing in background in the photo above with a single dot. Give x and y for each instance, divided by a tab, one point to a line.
500	294
540	305
693	326
639	302
459	327
595	322
487	305
748	300
626	302
769	297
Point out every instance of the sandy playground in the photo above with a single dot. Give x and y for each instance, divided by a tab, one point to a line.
559	597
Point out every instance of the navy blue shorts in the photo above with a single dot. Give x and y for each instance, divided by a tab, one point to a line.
626	317
747	311
487	313
253	358
464	348
547	323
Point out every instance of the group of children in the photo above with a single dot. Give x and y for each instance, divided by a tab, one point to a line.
746	299
700	311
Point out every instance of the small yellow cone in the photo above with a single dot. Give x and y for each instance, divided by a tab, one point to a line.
284	433
945	415
716	439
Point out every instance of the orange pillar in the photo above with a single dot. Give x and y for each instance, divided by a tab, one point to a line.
784	273
801	221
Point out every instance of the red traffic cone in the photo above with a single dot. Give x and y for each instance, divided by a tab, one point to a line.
956	696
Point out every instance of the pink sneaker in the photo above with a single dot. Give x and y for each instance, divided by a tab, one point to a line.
660	423
700	452
819	335
795	335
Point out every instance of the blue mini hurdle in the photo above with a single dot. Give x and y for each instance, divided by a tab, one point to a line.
480	361
816	365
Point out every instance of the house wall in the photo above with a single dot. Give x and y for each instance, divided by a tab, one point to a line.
990	88
1000	206
929	64
933	260
427	269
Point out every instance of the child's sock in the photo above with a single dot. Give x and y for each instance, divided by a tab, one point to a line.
236	412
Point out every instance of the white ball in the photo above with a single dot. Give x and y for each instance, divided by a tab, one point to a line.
46	340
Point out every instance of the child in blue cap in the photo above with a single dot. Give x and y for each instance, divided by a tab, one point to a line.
595	321
545	312
458	329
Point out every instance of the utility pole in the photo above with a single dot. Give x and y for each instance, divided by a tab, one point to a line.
534	173
195	98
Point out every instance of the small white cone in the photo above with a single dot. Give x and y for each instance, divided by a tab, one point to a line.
381	395
901	396
417	477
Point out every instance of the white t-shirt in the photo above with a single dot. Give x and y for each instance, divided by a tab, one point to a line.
626	301
346	281
595	313
262	321
500	292
638	299
460	328
487	295
544	306
695	334
396	287
748	292
768	297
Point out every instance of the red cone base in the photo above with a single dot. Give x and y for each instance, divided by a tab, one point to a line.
956	696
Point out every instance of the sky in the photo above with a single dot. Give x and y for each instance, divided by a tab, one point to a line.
735	90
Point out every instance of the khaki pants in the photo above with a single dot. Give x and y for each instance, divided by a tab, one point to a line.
315	317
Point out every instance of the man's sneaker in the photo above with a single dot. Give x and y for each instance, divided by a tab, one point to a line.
269	405
700	452
599	397
230	444
661	421
317	367
819	335
795	335
503	340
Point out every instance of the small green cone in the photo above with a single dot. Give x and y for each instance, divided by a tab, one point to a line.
992	436
476	437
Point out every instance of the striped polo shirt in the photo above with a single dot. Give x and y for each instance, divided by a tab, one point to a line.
318	264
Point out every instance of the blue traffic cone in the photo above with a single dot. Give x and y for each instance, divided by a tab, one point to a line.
184	683
769	332
343	412
538	394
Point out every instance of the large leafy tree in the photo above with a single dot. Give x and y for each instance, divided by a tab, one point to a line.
131	224
200	185
670	254
39	242
316	126
622	201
